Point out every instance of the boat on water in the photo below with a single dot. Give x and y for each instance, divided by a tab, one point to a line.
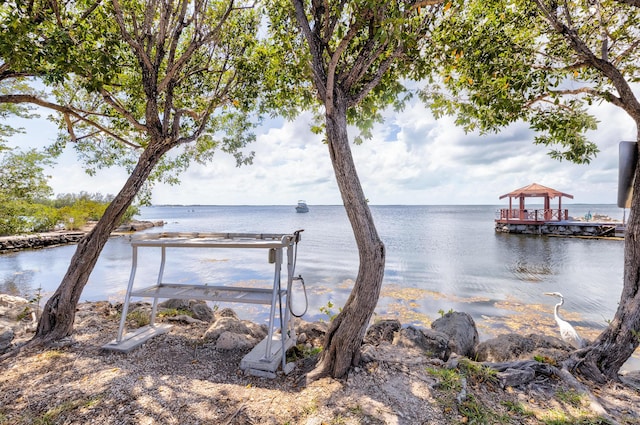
302	207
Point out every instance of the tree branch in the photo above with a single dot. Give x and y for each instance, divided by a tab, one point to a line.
314	43
125	113
24	98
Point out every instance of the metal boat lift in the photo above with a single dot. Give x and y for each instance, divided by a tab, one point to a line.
265	358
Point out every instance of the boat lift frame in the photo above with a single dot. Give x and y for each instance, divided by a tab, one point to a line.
265	358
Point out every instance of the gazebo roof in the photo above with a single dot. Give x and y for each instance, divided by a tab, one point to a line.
535	190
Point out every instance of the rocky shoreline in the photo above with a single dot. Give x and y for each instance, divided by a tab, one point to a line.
407	375
50	239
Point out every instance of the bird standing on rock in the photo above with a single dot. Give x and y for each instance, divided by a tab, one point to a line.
567	332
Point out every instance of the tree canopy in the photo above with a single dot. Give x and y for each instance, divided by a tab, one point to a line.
541	62
548	64
150	85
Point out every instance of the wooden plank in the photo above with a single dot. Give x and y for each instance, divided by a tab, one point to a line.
136	338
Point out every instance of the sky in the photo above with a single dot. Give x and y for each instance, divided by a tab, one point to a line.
412	159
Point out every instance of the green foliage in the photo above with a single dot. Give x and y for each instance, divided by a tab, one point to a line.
441	312
138	318
449	378
22	175
327	310
69	210
503	61
518	408
477	373
365	48
476	413
207	77
301	351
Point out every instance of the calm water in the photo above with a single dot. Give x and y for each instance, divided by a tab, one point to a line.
438	258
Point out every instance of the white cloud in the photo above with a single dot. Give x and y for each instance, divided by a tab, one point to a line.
411	159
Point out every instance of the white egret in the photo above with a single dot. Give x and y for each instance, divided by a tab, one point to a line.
567	332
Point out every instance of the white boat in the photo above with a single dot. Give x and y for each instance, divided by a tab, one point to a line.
302	207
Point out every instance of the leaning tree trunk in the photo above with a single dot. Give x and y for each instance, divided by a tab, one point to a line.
346	332
602	360
58	314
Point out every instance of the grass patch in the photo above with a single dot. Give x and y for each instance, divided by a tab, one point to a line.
138	318
517	408
570	397
477	373
60	413
475	413
311	409
51	355
173	312
555	417
449	378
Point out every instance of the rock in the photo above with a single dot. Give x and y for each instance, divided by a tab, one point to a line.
435	344
515	377
511	347
312	332
257	331
185	319
227	312
225	324
462	332
17	314
199	309
228	341
246	333
6	336
383	330
631	378
136	225
392	354
13	308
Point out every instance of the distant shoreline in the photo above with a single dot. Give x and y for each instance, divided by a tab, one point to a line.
15	243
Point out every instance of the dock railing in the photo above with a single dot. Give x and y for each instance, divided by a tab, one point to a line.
506	214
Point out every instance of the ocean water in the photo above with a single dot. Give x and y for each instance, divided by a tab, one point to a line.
439	258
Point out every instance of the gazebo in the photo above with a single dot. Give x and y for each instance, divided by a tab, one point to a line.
524	215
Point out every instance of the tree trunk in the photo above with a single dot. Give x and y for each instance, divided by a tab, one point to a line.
346	332
58	314
602	360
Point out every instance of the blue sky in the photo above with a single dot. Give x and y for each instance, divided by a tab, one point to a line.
412	159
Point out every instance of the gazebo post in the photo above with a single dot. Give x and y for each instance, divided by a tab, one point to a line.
547	208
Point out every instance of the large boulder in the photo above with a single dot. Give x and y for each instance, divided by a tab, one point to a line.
17	319
14	308
510	347
433	343
228	332
462	332
198	309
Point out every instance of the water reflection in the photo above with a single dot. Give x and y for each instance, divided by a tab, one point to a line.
439	258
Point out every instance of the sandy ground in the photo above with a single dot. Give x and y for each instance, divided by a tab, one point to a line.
176	378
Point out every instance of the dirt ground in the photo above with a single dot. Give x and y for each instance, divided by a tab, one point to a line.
176	378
